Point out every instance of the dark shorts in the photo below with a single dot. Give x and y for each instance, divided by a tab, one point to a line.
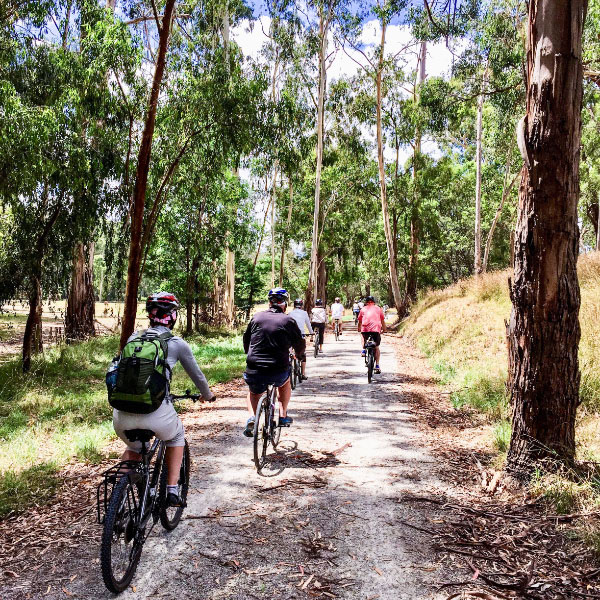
376	336
321	328
258	382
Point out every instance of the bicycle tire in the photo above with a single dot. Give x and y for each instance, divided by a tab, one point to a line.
167	519
261	433
298	371
293	374
275	430
316	344
370	366
337	333
114	520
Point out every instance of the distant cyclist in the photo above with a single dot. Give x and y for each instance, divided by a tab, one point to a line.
355	310
337	312
267	342
371	322
318	319
162	312
301	317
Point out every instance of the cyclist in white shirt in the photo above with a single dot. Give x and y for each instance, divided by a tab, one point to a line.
301	317
337	312
318	320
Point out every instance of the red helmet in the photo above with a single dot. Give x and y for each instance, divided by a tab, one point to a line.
162	308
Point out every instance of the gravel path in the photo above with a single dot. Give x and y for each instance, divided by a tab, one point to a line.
325	521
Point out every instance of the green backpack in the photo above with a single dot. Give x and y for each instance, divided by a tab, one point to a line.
137	381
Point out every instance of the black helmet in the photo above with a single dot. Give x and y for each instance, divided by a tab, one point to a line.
318	302
162	308
370	299
298	303
279	295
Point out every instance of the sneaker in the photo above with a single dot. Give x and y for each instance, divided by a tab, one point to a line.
377	369
285	421
304	377
173	500
363	353
249	430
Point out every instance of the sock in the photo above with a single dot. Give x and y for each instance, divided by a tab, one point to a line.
173	489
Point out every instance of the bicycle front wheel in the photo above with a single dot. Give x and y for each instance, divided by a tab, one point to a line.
261	432
122	541
170	516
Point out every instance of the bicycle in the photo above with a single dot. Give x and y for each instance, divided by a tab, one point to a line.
370	357
129	506
295	370
336	329
266	427
317	340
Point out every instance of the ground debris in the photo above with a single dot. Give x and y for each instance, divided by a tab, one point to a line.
514	550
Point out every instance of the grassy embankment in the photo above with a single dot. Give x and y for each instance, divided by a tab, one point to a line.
59	411
461	329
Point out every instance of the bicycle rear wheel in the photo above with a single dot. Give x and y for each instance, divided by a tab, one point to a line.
298	367
170	516
337	332
261	432
275	429
317	335
370	365
122	541
293	374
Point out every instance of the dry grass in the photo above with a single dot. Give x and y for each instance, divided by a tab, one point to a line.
462	330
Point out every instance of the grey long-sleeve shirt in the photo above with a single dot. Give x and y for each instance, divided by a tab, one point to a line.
179	350
302	320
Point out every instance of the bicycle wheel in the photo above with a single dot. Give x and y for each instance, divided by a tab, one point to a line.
370	365
316	344
261	432
122	541
298	371
337	332
170	516
275	430
293	374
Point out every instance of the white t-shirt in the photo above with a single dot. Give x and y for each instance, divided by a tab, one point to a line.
318	315
337	310
356	307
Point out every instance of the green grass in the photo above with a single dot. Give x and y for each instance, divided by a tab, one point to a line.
502	436
59	410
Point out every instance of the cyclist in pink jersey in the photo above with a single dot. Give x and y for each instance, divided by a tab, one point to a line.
371	322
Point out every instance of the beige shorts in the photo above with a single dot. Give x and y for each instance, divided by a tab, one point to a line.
164	421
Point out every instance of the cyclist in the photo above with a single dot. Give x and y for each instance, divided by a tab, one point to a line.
267	342
162	313
318	319
371	322
337	312
355	310
301	317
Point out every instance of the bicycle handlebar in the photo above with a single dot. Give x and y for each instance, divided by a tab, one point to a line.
190	396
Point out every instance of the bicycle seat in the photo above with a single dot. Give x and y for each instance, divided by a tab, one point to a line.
139	435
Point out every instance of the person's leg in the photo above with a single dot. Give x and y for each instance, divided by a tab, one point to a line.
377	355
285	393
303	366
174	456
131	455
321	337
341	325
252	402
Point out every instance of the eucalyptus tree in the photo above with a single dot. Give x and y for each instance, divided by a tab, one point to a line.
544	331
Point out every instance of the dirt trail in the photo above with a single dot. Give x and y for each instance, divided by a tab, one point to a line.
326	522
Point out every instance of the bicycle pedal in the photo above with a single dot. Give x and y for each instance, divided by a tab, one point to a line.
285	425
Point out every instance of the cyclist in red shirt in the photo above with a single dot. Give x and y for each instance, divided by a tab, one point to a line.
371	322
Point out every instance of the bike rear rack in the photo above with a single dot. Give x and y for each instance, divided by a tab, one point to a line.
110	478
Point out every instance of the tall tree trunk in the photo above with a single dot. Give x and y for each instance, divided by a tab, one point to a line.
544	332
415	233
287	233
313	273
273	191
478	160
229	300
389	238
598	228
322	278
141	180
81	303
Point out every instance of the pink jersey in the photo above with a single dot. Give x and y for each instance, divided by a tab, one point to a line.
370	318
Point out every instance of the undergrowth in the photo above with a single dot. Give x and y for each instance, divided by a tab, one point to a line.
59	411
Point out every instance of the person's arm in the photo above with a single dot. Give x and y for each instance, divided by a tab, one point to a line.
246	338
308	324
188	362
296	339
383	326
